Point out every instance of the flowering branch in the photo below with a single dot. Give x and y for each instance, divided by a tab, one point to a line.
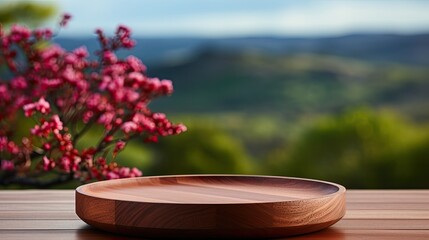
61	90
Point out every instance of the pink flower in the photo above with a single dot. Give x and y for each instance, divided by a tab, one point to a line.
19	33
87	116
53	51
119	94
124	172
118	82
135	64
129	126
66	18
56	123
144	121
82	85
106	119
19	83
51	83
20	101
29	109
94	101
118	121
166	87
123	34
106	80
113	92
75	163
12	147
180	128
153	139
112	175
66	163
7	165
70	75
48	33
136	77
71	59
42	106
123	30
152	84
131	96
120	145
135	173
81	52
159	116
38	33
3	143
128	43
48	164
46	146
109	57
41	130
4	93
46	127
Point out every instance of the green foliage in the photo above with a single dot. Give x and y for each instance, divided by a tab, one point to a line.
273	104
292	85
29	13
204	148
360	149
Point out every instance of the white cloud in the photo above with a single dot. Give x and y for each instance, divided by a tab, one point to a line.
319	18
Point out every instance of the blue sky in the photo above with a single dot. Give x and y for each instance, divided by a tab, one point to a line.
229	18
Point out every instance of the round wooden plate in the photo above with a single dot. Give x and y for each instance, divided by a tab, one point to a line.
211	206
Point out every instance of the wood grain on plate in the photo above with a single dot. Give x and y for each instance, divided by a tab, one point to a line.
211	206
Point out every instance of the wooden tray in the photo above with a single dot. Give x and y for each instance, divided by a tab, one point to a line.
211	206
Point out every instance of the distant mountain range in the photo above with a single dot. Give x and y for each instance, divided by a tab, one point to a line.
405	49
288	77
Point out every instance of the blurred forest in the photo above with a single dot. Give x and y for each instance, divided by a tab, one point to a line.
352	109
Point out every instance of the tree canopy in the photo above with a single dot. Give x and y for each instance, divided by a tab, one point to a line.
29	13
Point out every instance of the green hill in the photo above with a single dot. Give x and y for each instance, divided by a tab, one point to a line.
291	85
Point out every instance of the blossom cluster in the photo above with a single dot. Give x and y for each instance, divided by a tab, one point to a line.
66	93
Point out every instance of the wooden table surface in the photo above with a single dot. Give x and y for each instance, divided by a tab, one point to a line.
371	214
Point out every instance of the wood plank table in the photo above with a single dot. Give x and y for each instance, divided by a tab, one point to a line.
371	214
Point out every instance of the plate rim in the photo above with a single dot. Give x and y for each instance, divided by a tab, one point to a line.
340	189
